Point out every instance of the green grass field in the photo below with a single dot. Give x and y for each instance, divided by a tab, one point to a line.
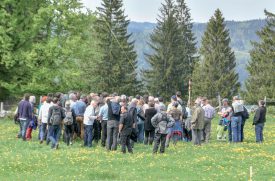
215	161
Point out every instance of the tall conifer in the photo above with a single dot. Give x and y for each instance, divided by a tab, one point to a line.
261	81
215	73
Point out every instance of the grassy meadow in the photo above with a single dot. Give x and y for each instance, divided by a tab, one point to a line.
215	161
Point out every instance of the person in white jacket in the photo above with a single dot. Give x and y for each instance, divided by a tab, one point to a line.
43	119
89	118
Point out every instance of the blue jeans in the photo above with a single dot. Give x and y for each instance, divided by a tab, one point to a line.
43	129
24	124
236	126
140	127
259	132
88	135
54	134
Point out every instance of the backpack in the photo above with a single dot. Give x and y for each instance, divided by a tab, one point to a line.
56	116
68	120
245	114
183	110
115	108
163	123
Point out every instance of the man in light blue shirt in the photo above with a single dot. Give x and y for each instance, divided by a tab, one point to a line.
79	108
103	114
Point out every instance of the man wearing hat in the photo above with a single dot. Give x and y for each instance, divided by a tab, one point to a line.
170	106
236	119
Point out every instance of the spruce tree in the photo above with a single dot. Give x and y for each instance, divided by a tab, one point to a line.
164	76
261	81
116	70
215	73
187	48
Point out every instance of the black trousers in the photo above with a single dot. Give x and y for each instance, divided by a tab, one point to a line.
125	142
149	137
97	131
103	132
69	130
159	140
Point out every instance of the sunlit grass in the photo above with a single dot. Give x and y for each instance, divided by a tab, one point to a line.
215	161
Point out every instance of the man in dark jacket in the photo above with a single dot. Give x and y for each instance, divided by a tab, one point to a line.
113	122
25	115
259	121
56	115
125	129
148	127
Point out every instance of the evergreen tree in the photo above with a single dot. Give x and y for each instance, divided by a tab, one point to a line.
164	77
116	70
215	73
261	81
187	48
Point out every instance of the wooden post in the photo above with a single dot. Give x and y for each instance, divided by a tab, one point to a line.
219	99
189	93
265	100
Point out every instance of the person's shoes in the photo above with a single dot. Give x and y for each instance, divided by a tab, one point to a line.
71	143
41	141
47	142
56	146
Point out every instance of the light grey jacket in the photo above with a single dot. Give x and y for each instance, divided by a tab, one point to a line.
161	122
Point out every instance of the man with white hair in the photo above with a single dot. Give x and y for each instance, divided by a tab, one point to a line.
89	118
197	122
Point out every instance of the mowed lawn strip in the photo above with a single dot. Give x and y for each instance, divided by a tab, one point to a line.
214	161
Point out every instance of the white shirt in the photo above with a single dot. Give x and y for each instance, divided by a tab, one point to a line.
188	110
44	112
89	115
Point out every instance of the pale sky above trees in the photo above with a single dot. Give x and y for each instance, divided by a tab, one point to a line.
201	10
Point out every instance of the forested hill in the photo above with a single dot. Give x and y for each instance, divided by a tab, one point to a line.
241	34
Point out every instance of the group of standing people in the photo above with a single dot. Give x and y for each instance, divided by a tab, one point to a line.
115	119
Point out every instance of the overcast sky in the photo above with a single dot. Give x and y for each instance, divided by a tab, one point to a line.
201	10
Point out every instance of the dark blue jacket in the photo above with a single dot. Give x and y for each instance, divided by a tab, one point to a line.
25	110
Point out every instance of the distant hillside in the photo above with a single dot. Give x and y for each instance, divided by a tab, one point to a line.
241	34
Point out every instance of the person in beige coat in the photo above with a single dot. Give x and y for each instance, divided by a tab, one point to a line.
197	122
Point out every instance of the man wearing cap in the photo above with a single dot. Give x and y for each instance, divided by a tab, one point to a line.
170	106
236	119
197	122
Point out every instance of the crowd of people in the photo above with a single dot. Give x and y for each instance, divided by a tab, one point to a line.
111	120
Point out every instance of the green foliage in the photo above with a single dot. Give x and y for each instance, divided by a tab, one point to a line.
116	69
241	33
215	73
173	46
261	81
44	45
